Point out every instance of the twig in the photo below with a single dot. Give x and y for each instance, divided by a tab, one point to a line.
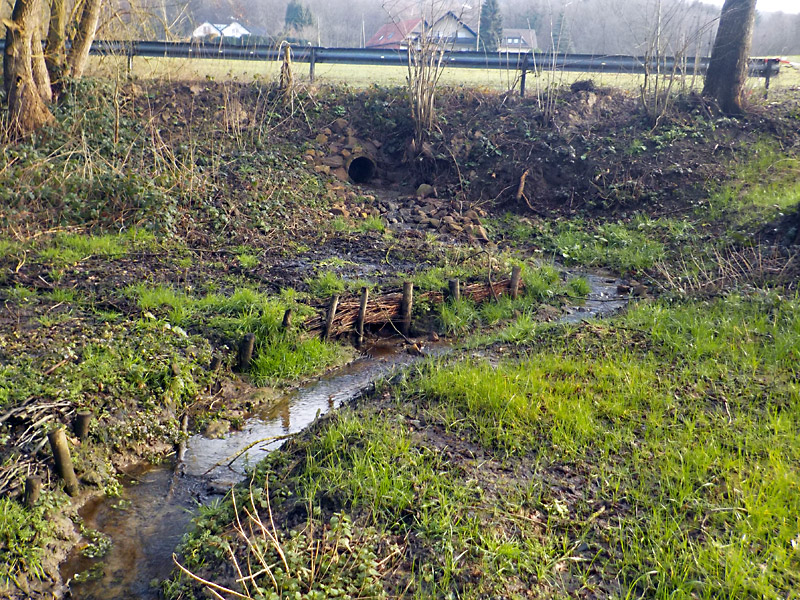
521	188
209	584
56	366
232	458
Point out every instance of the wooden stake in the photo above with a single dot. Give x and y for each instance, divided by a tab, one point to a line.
33	486
331	315
64	468
516	274
287	319
406	305
246	347
362	313
81	424
454	285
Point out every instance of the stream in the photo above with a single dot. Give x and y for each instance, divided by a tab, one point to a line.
157	504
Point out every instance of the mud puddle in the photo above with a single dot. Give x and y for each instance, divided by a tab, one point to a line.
224	461
144	526
158	503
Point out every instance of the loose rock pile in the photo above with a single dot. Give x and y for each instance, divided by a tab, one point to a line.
335	146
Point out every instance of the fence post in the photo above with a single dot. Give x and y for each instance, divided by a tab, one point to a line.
516	274
455	290
406	306
362	314
312	64
334	303
246	347
60	448
524	76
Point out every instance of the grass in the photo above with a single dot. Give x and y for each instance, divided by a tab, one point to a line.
279	355
627	247
615	245
766	183
22	531
541	285
325	284
654	456
69	249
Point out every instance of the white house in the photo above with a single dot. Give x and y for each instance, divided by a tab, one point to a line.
517	41
451	31
234	30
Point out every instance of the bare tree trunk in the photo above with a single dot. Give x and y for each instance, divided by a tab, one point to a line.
55	53
27	111
87	27
40	75
727	71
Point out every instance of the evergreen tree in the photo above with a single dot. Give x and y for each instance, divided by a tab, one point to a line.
562	39
297	16
491	30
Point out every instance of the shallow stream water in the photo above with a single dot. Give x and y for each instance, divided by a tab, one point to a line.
158	502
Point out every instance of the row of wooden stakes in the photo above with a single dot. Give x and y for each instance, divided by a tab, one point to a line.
353	314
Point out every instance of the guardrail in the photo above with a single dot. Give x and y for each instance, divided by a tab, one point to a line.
524	62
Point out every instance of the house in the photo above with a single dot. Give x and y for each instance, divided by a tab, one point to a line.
517	41
453	33
217	30
448	31
396	36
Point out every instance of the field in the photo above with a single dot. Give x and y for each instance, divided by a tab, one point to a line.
176	69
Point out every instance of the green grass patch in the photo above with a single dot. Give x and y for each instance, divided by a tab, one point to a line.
69	249
614	245
623	246
24	533
540	285
372	224
279	355
326	283
654	456
766	182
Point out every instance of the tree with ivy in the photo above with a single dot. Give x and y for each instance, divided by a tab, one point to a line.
28	72
491	29
297	16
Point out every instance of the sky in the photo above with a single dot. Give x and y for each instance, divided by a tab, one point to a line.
787	6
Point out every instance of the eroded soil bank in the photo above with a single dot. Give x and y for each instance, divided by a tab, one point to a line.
139	246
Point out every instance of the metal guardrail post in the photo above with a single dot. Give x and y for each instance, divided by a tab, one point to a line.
524	76
130	60
312	64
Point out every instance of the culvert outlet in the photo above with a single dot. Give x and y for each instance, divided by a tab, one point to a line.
361	169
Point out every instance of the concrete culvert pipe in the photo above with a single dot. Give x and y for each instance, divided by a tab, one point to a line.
361	169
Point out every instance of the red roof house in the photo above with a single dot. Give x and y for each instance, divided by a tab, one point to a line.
395	36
